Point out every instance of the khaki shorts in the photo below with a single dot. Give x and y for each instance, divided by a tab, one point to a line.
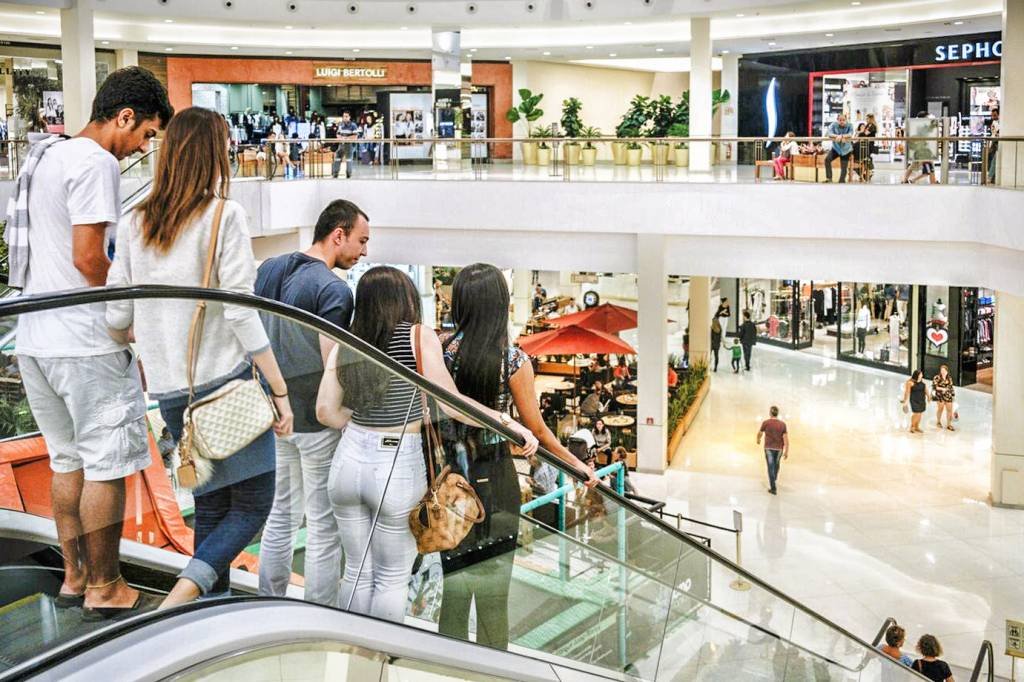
91	412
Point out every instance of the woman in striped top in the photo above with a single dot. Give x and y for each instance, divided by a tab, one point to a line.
381	449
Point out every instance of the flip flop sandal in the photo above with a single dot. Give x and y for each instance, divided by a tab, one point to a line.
143	603
68	601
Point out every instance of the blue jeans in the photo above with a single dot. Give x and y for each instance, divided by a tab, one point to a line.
774	460
227	520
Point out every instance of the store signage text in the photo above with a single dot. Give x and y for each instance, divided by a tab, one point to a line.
349	72
964	52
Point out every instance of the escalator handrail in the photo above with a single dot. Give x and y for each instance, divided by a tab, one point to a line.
139	160
108	633
988	652
62	299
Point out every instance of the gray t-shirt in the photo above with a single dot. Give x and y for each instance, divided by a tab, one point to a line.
306	283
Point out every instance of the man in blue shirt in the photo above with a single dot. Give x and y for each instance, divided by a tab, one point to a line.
347	130
841	134
306	280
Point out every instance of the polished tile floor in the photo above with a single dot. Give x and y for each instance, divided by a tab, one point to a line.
870	521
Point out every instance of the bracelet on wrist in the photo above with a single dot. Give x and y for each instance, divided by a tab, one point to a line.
279	395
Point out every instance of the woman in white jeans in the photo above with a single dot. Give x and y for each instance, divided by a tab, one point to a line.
381	413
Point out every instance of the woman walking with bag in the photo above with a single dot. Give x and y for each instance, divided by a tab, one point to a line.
915	396
488	368
378	476
944	395
187	233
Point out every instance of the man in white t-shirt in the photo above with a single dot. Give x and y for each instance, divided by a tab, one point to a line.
83	387
863	324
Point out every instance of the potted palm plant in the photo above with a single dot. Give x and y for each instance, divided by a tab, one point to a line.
633	121
660	114
589	151
572	127
529	112
682	151
718	98
543	133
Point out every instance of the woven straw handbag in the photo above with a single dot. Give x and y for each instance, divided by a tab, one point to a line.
451	507
225	421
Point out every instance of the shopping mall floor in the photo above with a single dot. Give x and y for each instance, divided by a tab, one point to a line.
885	174
870	521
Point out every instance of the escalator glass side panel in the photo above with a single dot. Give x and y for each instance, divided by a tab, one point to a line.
605	585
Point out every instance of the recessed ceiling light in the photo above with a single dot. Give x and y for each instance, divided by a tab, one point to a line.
612	54
288	52
958	23
771	43
473	50
234	47
168	49
659	49
627	23
405	28
830	35
105	42
288	28
508	59
39	11
725	51
740	15
168	21
355	49
547	54
855	3
590	47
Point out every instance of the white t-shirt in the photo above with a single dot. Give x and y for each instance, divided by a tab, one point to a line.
77	182
863	318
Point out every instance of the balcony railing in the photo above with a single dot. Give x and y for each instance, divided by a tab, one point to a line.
973	160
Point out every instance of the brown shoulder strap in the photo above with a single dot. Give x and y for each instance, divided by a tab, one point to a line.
428	427
195	332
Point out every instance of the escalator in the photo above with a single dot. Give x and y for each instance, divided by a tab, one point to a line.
597	587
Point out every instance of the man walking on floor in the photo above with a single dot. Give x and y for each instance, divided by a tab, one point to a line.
305	280
748	338
776	445
83	387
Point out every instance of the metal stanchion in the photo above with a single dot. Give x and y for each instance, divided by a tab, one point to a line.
740	585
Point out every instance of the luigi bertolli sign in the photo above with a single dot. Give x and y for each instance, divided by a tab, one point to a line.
1015	638
349	73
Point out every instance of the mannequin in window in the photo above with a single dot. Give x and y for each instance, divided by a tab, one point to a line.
863	322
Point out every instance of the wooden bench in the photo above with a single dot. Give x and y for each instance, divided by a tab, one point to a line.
770	163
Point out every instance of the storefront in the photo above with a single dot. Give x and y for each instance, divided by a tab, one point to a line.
955	77
250	92
780	309
958	324
32	81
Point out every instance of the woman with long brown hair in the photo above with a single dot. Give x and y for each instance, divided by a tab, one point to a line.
378	475
166	241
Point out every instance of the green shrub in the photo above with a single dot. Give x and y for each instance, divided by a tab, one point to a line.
686	394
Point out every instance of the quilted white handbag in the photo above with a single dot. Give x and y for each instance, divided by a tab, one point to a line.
225	421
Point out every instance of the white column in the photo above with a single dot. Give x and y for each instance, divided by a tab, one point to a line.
699	319
652	347
730	110
126	57
78	51
1011	155
700	92
522	295
1008	386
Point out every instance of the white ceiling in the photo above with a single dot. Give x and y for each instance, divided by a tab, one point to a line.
556	30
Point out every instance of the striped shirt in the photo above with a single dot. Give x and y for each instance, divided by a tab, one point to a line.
395	405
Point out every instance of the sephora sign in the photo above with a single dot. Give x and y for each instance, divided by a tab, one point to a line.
966	52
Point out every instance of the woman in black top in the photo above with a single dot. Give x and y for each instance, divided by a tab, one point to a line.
870	130
716	342
930	665
915	394
487	367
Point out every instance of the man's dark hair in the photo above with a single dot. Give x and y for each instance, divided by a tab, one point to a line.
994	110
132	88
339	213
895	636
774	411
746	314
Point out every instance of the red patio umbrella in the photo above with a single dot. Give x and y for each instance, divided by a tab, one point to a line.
607	317
572	340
